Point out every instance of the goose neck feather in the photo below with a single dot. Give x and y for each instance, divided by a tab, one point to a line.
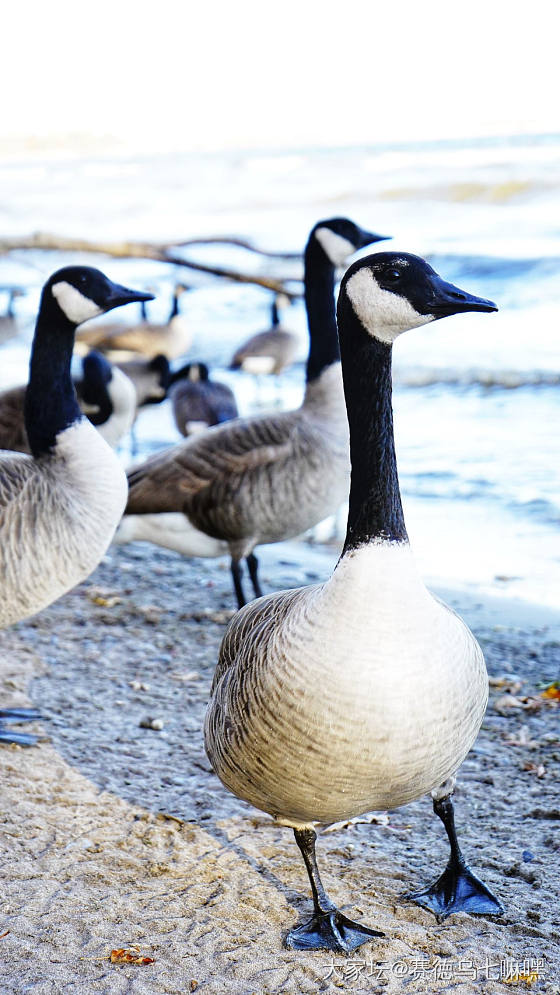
321	316
375	502
51	404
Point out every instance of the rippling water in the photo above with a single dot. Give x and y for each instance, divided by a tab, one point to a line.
476	396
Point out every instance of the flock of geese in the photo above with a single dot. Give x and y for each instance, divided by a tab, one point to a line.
364	692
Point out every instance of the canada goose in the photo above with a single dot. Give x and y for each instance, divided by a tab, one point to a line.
198	402
150	378
268	352
121	342
364	692
60	506
269	477
8	321
107	396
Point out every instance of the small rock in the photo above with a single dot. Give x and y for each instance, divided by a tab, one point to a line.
528	856
149	723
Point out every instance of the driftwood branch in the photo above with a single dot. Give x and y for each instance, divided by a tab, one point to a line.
160	252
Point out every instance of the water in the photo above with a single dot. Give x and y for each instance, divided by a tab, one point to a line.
476	396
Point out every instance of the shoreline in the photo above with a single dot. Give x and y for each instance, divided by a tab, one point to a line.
208	889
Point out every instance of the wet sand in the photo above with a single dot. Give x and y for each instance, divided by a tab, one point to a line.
113	833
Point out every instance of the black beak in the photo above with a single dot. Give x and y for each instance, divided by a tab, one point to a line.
118	295
448	299
367	237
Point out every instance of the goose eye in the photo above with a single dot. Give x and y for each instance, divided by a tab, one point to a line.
392	275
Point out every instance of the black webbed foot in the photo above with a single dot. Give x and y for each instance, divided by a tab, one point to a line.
458	890
18	715
330	931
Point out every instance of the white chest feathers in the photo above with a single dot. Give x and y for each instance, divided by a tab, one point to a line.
60	521
368	694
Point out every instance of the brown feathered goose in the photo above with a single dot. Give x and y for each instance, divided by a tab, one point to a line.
268	477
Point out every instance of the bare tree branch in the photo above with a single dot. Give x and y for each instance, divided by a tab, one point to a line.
160	252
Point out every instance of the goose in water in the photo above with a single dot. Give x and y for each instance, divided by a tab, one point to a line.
172	338
198	402
59	507
364	692
268	352
268	477
105	394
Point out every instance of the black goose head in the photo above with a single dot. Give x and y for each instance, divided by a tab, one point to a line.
391	292
96	370
93	391
339	238
82	292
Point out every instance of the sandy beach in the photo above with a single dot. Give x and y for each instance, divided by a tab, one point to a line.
115	833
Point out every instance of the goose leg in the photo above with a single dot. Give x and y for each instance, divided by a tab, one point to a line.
237	583
328	928
18	715
457	889
253	565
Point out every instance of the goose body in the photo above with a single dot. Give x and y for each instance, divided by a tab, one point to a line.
268	352
172	338
199	402
268	477
364	692
340	729
59	507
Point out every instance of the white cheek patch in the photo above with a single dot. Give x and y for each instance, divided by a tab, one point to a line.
384	314
336	247
75	305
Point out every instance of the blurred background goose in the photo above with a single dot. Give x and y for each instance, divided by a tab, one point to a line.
9	326
364	692
199	402
268	352
105	395
59	506
172	338
269	477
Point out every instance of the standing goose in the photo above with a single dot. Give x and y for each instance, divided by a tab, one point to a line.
59	507
364	692
269	477
268	352
198	402
172	338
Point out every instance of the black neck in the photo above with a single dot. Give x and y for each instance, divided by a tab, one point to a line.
50	398
274	315
375	502
321	317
